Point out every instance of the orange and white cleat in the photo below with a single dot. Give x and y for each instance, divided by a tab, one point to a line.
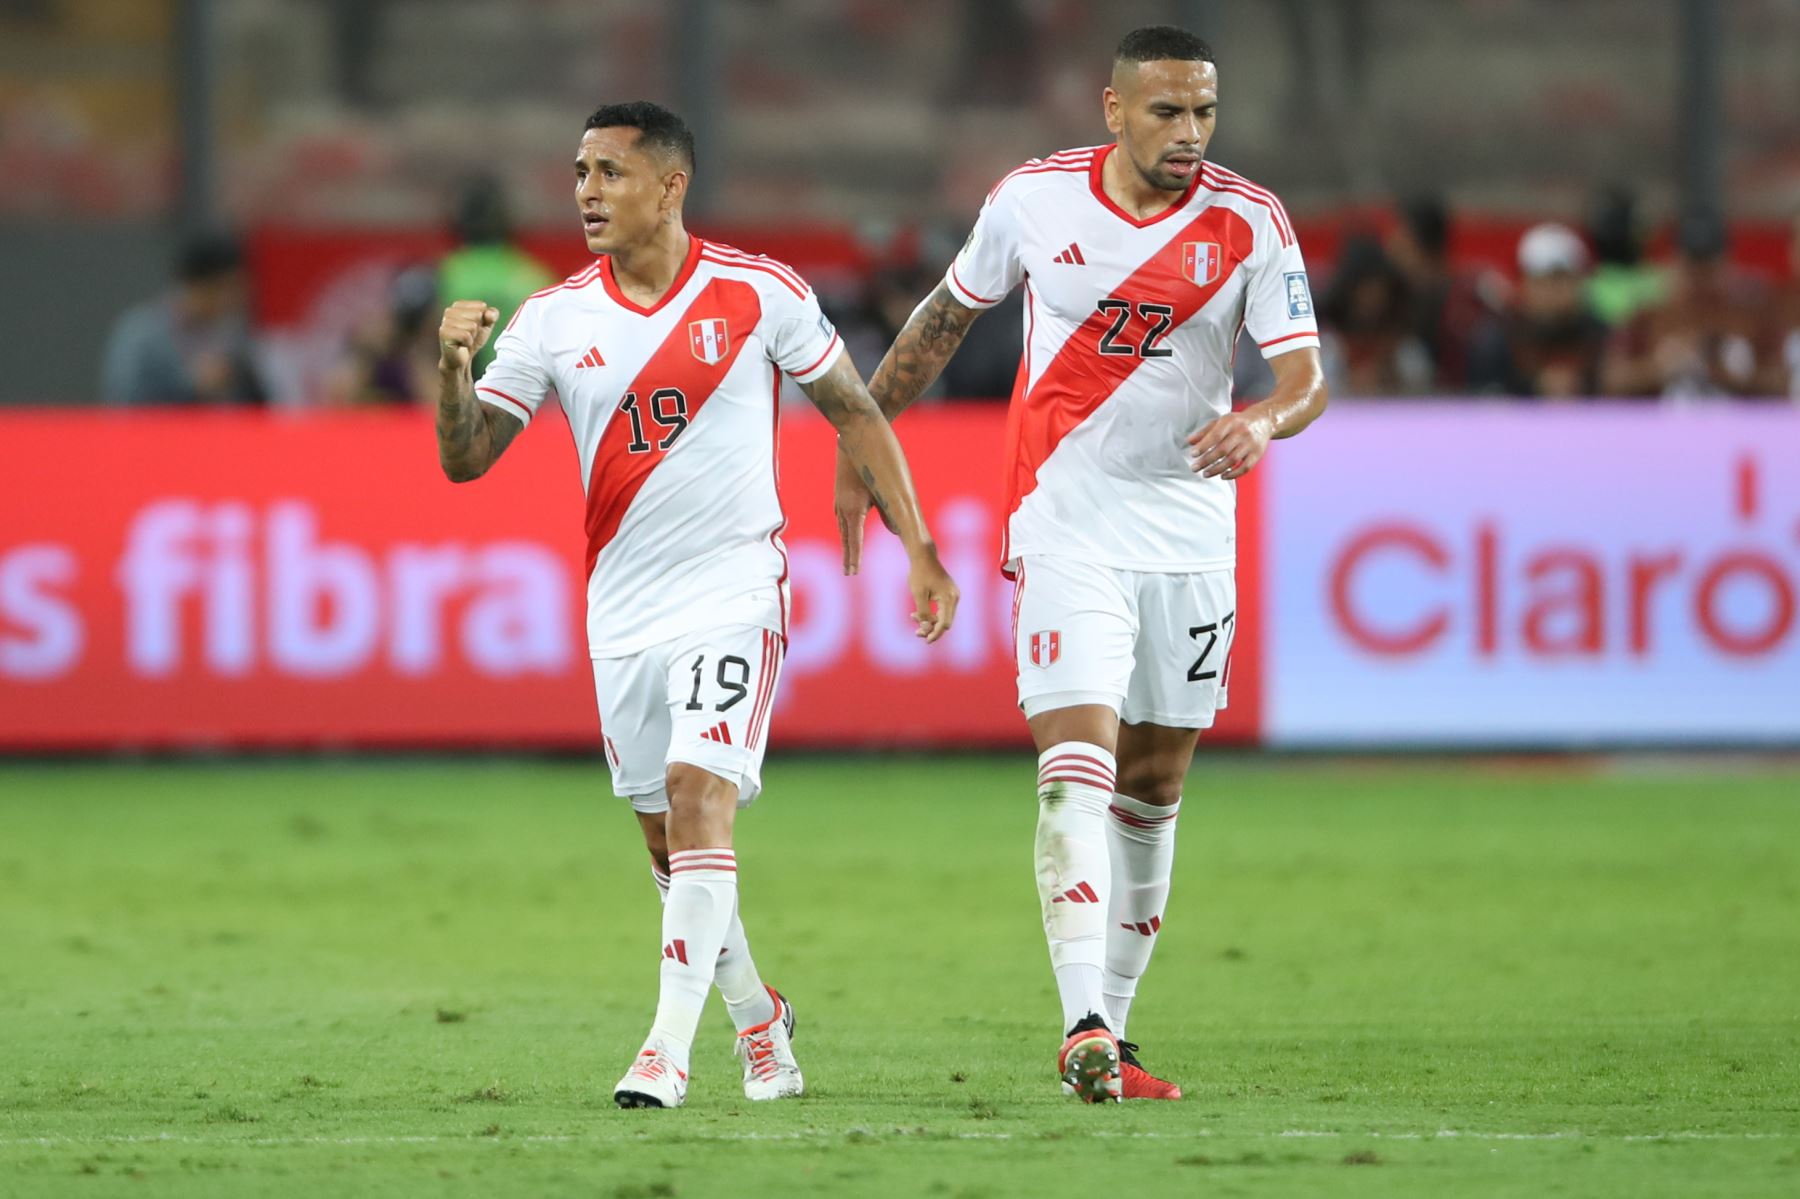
654	1080
767	1051
1139	1083
1089	1062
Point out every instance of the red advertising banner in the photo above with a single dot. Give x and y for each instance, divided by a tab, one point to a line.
249	580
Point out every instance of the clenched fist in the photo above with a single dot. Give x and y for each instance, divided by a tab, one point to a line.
466	327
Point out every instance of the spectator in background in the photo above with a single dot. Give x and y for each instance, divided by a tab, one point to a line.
1445	307
191	345
869	320
1548	343
1711	337
394	362
1622	284
1784	363
1369	342
983	369
486	265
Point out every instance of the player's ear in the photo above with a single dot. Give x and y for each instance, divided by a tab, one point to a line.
1112	106
675	185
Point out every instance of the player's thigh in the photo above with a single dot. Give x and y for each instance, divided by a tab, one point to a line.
632	694
1074	626
719	693
1182	662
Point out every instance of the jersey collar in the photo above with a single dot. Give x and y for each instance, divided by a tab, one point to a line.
1095	182
681	277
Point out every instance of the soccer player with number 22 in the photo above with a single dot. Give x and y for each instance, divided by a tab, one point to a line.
667	356
1141	261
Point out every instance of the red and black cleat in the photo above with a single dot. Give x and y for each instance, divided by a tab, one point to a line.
1135	1082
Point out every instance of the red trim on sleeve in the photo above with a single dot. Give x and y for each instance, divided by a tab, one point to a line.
957	280
1263	345
495	391
835	342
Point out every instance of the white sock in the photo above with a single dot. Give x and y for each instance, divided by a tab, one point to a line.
1075	784
1141	840
735	974
702	897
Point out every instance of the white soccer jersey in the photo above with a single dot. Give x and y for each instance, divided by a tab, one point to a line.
1130	328
673	407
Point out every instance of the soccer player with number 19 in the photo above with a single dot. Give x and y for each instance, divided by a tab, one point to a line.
1141	262
666	355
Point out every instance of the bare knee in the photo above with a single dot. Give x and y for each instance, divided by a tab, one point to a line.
1153	781
702	806
655	826
1091	724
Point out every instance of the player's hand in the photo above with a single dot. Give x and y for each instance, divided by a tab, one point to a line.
1228	447
466	327
852	501
934	594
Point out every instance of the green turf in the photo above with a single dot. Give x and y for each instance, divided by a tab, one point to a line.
400	978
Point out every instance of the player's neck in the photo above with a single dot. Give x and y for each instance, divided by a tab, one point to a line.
646	271
1129	190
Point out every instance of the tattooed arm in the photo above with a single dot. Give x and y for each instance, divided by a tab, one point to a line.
471	435
915	360
918	355
868	444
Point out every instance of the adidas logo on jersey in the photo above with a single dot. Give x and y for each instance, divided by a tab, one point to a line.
720	732
591	358
1071	256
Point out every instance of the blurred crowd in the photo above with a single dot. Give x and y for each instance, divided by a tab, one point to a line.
1583	313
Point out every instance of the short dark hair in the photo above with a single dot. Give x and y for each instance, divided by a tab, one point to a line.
1427	217
207	255
658	127
1153	43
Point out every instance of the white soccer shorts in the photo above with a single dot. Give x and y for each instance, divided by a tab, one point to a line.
1155	648
703	699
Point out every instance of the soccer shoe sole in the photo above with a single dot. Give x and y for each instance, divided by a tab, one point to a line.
636	1099
1091	1070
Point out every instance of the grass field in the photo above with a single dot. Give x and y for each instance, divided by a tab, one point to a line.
424	978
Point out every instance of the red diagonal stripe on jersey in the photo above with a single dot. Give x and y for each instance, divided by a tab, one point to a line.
1080	378
618	474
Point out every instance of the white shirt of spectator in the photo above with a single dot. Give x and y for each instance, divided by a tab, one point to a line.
1129	330
673	407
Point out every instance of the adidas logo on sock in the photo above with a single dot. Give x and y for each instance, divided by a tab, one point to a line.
591	358
719	732
1148	928
1081	893
676	949
1071	256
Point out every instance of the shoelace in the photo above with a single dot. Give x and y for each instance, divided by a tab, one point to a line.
654	1067
759	1053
